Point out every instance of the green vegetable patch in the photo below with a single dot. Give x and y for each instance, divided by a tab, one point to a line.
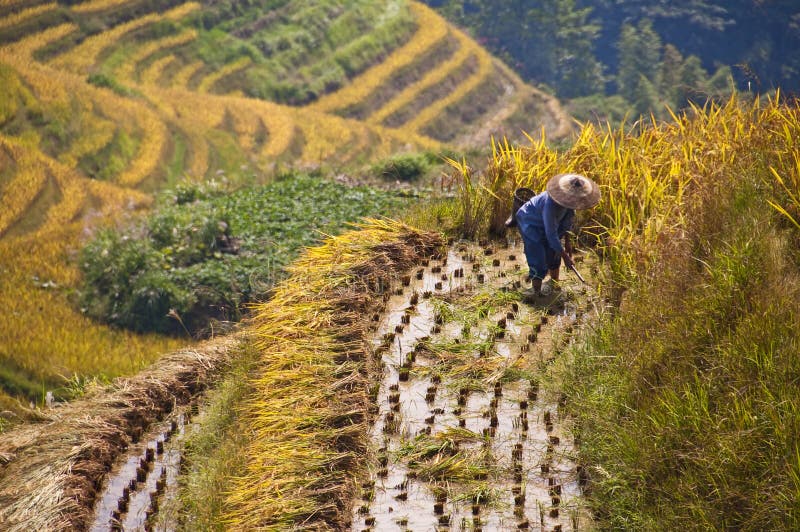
205	252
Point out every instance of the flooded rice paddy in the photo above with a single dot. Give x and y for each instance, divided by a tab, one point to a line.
144	479
467	435
469	432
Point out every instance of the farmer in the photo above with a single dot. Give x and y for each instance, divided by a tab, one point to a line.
547	217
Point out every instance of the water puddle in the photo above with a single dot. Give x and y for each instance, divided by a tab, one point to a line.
144	479
465	437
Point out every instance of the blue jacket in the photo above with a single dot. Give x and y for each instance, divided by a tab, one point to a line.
543	220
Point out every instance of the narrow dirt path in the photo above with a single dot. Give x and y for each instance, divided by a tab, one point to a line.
469	433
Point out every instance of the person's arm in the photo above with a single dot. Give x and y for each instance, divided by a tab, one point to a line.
549	217
564	229
567	222
566	255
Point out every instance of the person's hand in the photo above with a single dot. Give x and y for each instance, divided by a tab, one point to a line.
567	258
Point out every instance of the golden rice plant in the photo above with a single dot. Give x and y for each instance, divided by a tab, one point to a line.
249	119
156	69
149	128
182	76
24	48
278	119
786	173
246	127
432	30
43	333
207	83
460	92
127	71
176	107
33	169
645	173
25	184
307	412
83	57
394	140
12	3
93	6
437	75
73	195
98	133
58	88
324	135
21	16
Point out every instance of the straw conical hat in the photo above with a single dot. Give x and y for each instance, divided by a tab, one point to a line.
573	191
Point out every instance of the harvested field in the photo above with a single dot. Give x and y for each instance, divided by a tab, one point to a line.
51	472
459	423
469	432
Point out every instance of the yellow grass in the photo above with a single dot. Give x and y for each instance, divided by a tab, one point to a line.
84	56
155	70
25	14
93	6
127	71
24	186
432	29
207	83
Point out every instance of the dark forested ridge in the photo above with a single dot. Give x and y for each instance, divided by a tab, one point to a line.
644	53
759	39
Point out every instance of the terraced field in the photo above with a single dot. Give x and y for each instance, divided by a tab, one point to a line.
104	102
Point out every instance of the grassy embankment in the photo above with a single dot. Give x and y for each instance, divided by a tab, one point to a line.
685	392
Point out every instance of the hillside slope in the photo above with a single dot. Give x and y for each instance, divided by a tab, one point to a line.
103	102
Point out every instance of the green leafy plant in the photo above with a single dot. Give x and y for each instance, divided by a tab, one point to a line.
204	252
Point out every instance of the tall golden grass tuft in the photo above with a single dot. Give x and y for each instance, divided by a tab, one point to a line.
647	173
309	411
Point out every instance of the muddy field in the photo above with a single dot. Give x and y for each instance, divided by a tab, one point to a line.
469	433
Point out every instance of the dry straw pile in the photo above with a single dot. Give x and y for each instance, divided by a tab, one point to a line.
310	411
